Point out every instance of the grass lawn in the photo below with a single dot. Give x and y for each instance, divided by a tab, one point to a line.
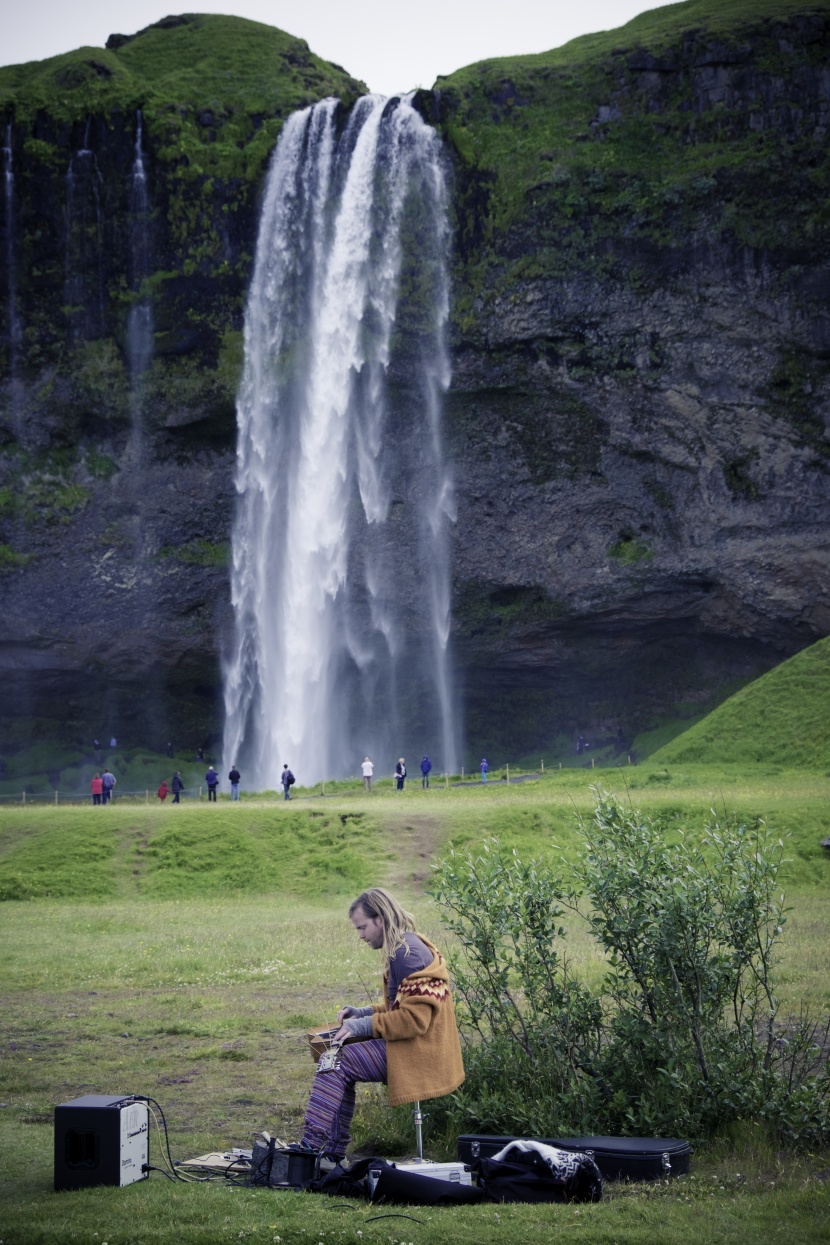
182	952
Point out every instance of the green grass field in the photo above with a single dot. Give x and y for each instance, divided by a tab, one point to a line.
182	952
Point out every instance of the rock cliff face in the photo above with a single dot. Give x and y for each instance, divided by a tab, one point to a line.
638	417
641	386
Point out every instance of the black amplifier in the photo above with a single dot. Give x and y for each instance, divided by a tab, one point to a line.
101	1139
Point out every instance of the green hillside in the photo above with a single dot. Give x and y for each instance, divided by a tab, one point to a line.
783	717
213	90
615	136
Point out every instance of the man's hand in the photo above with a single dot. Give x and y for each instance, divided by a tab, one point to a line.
344	1033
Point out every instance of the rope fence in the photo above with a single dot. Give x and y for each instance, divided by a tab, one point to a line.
446	780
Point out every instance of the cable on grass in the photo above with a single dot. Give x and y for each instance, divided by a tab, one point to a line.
173	1174
395	1215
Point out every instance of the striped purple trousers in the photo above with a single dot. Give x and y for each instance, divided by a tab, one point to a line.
330	1108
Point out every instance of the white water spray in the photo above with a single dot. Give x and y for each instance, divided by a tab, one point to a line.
340	579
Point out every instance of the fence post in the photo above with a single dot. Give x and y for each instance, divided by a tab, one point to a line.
200	792
543	765
56	795
507	771
323	785
446	779
24	797
146	796
462	773
560	764
592	762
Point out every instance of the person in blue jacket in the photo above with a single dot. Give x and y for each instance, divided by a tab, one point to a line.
484	768
426	766
178	787
212	780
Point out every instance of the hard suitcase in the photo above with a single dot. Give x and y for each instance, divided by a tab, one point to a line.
618	1158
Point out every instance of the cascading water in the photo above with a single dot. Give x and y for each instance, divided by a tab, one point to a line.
13	328
340	580
140	319
84	272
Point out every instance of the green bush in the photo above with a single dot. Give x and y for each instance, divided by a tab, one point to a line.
683	1037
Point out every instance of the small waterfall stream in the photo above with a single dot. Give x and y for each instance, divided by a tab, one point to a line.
84	256
340	579
13	326
140	319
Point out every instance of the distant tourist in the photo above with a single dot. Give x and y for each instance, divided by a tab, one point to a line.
400	773
368	770
169	748
234	778
113	742
580	745
200	754
426	766
107	785
97	786
484	767
178	787
162	791
287	780
212	780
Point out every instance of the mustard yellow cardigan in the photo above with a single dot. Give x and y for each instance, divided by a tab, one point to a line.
423	1053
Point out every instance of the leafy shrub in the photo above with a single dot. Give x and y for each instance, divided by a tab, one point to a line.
683	1036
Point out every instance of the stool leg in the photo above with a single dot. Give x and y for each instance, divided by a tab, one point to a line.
419	1137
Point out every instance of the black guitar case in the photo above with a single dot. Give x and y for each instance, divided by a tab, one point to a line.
618	1158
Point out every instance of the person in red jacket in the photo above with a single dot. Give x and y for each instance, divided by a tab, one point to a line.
162	791
97	787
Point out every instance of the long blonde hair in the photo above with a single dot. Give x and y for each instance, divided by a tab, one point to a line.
376	902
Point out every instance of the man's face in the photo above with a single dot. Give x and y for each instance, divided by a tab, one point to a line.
369	928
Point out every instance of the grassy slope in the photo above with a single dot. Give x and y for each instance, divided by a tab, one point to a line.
201	1001
248	75
781	718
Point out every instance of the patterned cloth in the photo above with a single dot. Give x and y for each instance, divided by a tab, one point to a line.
331	1104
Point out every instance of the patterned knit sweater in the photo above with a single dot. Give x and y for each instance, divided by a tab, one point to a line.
423	1052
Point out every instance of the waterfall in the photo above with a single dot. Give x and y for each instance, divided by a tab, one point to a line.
340	577
140	319
84	270
13	329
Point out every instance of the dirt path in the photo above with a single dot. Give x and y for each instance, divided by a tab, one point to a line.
413	840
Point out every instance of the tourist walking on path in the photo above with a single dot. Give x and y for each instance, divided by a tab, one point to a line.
368	770
178	787
409	1041
287	780
400	773
233	778
426	766
162	791
97	787
484	768
212	780
107	784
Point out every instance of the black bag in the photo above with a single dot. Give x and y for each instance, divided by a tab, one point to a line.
282	1169
346	1181
529	1176
409	1189
618	1158
404	1188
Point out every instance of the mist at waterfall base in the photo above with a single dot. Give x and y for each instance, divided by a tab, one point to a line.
340	579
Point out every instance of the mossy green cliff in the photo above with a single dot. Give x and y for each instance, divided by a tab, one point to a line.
641	363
